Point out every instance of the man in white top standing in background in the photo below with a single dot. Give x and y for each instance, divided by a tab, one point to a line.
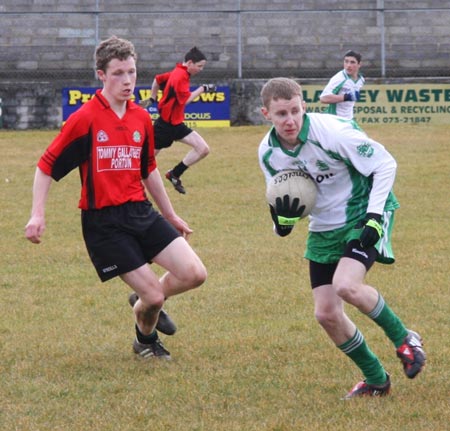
343	89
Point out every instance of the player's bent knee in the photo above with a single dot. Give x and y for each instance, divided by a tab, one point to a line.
197	275
206	150
344	286
346	290
152	301
200	145
322	318
202	150
327	318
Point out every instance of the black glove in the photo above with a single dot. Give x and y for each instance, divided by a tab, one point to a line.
281	230
147	102
372	230
285	215
209	88
352	96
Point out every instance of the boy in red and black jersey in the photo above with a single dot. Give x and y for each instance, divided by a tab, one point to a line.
109	151
110	140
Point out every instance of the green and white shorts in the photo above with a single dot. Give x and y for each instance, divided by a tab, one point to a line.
328	247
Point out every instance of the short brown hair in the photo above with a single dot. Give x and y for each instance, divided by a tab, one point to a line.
111	48
280	88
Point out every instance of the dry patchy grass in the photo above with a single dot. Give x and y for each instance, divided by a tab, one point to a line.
248	354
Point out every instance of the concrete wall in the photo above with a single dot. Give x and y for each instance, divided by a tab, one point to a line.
47	45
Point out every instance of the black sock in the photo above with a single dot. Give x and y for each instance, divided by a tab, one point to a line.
179	169
146	339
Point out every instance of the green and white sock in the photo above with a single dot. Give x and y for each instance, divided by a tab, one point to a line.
358	351
384	317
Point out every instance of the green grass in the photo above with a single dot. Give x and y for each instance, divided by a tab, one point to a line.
248	354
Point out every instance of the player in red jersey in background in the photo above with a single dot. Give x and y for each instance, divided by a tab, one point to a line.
170	126
110	140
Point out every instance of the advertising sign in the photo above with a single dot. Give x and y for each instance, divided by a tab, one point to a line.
207	110
393	103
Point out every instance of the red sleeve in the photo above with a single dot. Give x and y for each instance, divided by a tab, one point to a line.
69	149
162	78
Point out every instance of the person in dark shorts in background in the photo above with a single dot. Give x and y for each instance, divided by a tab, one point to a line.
170	126
110	140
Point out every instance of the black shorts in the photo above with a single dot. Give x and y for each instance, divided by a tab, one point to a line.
166	133
322	273
122	238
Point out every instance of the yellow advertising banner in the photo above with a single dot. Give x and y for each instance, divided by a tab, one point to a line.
393	103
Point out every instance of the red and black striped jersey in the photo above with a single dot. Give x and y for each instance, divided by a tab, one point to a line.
113	154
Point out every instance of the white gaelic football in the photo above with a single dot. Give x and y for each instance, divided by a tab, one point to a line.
295	184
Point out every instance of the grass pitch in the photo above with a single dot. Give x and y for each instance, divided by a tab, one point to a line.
248	354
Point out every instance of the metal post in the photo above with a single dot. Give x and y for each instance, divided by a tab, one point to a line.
97	39
239	29
380	7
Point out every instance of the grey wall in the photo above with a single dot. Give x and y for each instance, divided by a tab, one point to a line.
48	45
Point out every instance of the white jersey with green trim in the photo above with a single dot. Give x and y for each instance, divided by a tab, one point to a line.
342	83
354	174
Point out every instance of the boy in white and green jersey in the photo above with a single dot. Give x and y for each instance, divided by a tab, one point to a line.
349	227
343	90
